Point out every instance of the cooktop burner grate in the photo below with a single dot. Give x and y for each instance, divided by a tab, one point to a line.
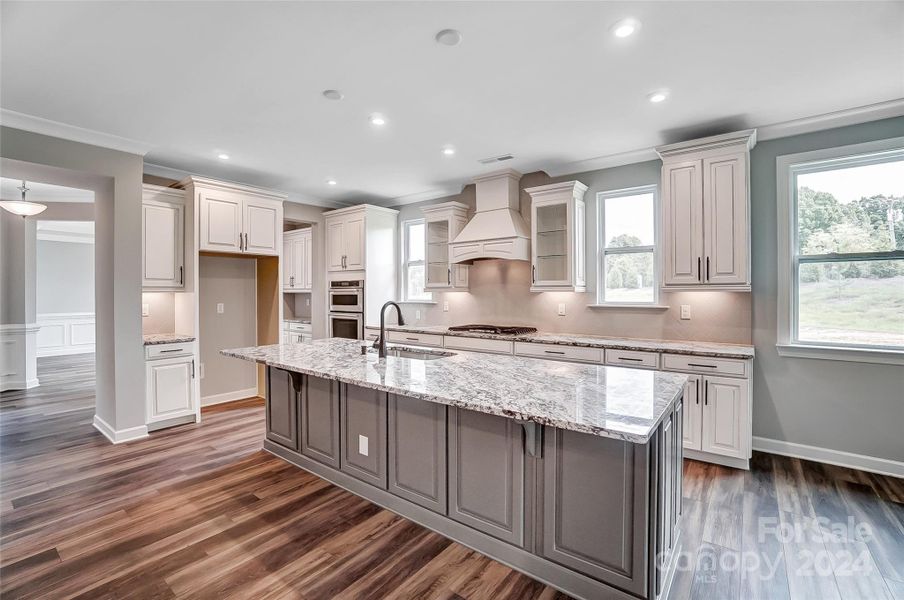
498	329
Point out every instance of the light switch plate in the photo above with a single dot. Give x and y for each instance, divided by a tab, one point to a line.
201	370
686	311
145	309
307	301
417	315
362	445
561	311
220	308
445	306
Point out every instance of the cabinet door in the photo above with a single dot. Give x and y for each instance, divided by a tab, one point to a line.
162	245
221	222
682	210
594	511
725	220
282	407
335	244
288	264
363	418
354	242
724	416
417	451
693	413
551	244
262	222
307	276
170	390
486	474
439	273
320	420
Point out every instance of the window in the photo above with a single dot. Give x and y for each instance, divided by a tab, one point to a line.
842	255
628	267
413	269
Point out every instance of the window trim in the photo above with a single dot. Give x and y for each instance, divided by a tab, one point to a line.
787	167
406	264
601	250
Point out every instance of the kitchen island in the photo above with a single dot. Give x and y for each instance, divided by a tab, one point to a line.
568	472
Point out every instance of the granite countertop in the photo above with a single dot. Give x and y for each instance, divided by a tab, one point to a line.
616	402
714	349
152	339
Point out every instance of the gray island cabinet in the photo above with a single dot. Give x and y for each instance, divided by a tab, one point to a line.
593	513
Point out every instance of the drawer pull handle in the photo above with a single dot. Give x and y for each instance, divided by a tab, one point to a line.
413	339
698	365
175	350
630	359
553	352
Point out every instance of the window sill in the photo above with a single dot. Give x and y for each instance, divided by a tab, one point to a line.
416	302
627	305
882	357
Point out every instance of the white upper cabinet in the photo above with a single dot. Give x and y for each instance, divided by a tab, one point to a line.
443	223
237	219
558	259
706	212
162	238
297	261
345	241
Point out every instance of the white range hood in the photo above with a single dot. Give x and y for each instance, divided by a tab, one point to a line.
496	230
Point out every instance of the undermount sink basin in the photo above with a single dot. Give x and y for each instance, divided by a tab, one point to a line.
416	353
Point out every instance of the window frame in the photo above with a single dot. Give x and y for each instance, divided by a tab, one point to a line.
406	263
602	251
788	167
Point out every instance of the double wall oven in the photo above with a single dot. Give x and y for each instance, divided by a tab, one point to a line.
346	316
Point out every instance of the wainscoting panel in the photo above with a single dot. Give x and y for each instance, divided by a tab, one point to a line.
65	333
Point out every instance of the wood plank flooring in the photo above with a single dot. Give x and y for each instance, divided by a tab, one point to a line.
200	511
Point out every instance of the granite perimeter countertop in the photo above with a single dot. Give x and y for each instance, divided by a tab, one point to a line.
152	339
714	349
616	402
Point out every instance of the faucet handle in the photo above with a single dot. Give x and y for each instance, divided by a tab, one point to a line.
376	343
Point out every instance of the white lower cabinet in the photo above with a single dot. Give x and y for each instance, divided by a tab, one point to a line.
170	392
725	402
693	414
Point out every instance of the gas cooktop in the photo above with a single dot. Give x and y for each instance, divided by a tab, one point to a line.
497	329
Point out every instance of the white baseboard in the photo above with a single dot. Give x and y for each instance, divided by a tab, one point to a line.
7	384
229	396
873	464
63	351
123	435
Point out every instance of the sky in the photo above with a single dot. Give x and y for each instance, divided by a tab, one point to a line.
850	184
632	215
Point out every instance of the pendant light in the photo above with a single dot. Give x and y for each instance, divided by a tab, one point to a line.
23	207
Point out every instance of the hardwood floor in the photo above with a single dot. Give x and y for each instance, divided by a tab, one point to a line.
200	511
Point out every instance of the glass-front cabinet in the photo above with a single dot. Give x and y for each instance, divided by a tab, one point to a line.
557	237
444	222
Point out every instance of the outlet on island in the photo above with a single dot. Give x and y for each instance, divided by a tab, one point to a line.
362	445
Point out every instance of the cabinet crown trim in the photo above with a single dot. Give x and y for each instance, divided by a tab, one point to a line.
360	208
203	182
576	187
445	207
156	190
746	138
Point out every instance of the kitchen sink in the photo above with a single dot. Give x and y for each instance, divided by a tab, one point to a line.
416	353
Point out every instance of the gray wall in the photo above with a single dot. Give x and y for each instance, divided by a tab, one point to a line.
161	316
846	406
17	269
65	277
115	178
231	281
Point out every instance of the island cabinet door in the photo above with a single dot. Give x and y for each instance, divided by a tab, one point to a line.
486	474
320	420
595	502
417	451
282	407
363	434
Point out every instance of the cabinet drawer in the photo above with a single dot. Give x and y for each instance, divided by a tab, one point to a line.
298	327
421	339
478	344
559	352
632	358
168	350
705	364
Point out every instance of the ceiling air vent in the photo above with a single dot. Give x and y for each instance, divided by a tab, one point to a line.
495	159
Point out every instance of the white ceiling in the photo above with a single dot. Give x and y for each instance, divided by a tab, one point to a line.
43	192
544	81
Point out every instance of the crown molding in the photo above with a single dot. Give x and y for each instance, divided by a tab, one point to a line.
839	118
17	120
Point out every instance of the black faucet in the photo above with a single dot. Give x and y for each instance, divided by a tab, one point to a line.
380	342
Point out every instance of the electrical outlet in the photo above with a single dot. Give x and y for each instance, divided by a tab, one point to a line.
445	306
362	445
220	308
307	301
145	309
201	370
686	312
417	315
561	311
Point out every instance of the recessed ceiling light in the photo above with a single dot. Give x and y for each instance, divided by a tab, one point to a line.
331	182
625	27
448	150
333	95
223	156
377	119
448	37
658	96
